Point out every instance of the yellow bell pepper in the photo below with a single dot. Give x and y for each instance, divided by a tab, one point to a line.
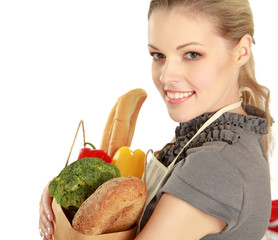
130	163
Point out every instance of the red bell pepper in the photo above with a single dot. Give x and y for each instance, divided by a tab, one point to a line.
93	153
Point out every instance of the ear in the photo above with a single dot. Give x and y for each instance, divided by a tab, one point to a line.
242	51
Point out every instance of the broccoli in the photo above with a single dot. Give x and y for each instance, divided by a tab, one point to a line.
79	180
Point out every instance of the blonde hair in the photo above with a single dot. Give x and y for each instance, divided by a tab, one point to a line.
232	19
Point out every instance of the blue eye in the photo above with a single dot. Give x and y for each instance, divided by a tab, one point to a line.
157	56
192	55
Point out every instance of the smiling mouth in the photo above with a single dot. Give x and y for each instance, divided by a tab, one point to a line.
179	95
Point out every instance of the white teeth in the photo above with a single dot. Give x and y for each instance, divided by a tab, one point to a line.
179	95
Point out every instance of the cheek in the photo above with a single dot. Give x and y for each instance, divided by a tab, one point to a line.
202	78
207	76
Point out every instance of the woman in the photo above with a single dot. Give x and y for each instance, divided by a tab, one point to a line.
218	185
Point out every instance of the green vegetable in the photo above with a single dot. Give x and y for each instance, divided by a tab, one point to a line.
79	180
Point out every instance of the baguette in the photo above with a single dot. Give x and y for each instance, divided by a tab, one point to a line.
115	206
120	125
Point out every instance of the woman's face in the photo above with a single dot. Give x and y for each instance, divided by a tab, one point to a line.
192	66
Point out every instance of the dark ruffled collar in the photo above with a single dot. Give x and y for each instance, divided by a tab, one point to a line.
226	128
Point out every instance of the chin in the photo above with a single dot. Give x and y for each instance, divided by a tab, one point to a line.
179	117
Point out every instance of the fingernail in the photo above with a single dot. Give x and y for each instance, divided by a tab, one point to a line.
41	233
48	216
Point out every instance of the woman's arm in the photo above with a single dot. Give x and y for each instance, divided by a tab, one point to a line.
173	218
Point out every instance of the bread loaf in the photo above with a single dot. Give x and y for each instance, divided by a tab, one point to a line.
120	125
115	206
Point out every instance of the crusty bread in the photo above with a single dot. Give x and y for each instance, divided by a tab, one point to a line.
115	206
120	125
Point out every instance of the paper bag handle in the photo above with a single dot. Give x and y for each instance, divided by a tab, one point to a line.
80	123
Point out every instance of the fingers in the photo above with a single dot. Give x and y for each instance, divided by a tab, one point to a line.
46	215
45	204
46	227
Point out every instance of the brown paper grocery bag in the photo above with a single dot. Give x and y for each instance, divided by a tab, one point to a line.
62	227
64	231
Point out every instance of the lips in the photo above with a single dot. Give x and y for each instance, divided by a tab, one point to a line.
178	97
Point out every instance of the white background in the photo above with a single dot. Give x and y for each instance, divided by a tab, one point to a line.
63	61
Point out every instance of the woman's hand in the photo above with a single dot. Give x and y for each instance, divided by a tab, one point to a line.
46	215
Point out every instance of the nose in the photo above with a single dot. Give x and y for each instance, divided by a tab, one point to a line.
172	71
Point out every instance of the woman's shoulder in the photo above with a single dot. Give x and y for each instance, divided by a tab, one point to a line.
245	157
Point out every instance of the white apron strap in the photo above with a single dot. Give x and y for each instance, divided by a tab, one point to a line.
206	124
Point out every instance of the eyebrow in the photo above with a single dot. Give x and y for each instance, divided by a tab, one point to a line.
180	46
188	44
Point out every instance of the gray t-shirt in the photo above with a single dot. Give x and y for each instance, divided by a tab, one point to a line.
224	173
